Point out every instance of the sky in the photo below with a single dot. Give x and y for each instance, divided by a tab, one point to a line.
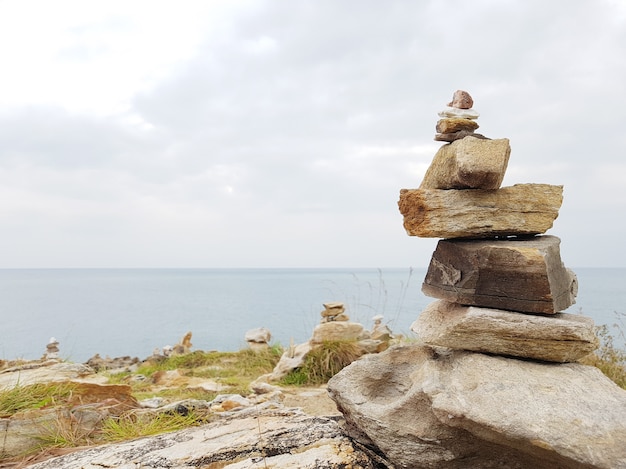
278	134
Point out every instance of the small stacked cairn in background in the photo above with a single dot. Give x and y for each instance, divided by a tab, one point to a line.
492	264
334	311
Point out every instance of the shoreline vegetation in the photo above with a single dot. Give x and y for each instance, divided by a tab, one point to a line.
188	389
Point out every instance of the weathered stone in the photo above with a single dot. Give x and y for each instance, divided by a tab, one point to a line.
461	134
332	312
470	163
291	359
525	275
260	335
522	209
336	331
262	438
454	124
42	372
458	409
461	99
457	112
559	338
333	305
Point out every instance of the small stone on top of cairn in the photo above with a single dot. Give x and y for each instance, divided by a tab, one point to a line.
334	311
458	119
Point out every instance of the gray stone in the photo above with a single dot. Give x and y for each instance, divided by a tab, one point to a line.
522	209
425	408
279	438
470	163
558	338
454	136
524	275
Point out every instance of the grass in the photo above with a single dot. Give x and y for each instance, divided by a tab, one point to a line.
609	359
323	362
34	396
130	425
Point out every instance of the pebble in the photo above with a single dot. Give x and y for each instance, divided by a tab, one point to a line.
462	100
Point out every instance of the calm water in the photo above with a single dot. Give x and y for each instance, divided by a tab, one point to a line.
132	311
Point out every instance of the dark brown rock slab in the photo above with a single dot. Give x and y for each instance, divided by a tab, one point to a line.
522	209
557	338
525	275
470	163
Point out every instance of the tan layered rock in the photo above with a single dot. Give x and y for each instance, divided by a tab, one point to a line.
559	338
522	209
425	408
525	275
469	163
337	331
454	124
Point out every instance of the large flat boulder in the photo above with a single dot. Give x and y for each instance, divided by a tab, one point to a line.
245	440
522	209
524	275
469	163
558	338
442	409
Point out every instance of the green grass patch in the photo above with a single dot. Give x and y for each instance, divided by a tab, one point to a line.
323	362
610	359
130	425
34	396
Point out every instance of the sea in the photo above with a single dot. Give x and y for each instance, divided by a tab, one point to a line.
132	312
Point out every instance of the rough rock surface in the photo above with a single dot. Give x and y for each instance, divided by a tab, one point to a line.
559	338
454	124
461	99
524	275
470	163
244	440
522	209
455	409
337	330
38	372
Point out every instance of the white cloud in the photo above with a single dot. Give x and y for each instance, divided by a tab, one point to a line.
265	133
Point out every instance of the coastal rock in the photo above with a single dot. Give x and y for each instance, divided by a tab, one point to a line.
451	125
258	338
291	359
42	372
470	163
265	438
460	113
337	331
559	338
525	275
458	409
522	209
258	335
461	99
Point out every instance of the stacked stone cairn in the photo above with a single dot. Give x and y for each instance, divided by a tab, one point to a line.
334	311
500	283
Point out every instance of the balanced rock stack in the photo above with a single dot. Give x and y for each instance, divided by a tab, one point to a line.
484	284
458	119
491	381
334	311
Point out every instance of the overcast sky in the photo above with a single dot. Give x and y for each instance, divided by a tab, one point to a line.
279	133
